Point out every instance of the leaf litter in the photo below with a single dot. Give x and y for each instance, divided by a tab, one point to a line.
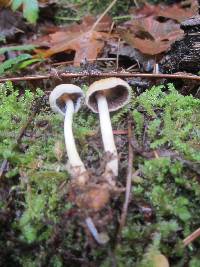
86	43
145	32
177	11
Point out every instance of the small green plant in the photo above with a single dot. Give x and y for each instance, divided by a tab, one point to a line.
30	9
18	62
10	63
16	48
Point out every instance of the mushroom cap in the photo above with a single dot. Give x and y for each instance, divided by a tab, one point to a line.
116	90
61	93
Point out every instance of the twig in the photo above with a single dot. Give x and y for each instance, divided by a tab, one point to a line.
127	17
191	237
111	29
128	182
25	126
132	67
25	78
120	132
100	239
68	18
136	4
3	167
103	14
117	58
89	60
34	110
105	74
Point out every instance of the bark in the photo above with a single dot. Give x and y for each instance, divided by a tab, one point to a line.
185	53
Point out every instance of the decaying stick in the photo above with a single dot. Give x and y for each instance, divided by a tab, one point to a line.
128	182
105	74
191	237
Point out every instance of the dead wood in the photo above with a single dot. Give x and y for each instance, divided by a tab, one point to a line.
185	53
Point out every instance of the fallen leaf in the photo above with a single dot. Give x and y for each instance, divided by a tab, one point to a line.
4	3
10	23
2	58
149	35
58	150
86	43
178	11
95	198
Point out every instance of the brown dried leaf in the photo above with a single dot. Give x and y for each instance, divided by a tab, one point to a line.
2	58
95	198
58	150
10	23
150	36
86	43
177	11
5	3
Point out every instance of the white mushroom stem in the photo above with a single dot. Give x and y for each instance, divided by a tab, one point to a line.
107	133
101	238
76	165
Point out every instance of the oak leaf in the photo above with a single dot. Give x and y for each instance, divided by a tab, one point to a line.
149	35
178	11
86	42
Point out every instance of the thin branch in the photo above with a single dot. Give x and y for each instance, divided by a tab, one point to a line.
35	108
88	60
103	14
191	237
117	58
25	126
25	78
128	182
105	74
3	167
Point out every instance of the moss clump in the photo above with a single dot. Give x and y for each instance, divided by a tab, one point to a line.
35	209
166	197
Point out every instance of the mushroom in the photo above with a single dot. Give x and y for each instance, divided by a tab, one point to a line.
66	99
101	238
103	96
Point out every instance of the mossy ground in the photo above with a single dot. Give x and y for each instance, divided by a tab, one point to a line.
41	227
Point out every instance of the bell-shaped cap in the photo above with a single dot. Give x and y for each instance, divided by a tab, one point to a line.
61	94
116	90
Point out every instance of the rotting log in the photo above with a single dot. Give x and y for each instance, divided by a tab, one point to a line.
184	54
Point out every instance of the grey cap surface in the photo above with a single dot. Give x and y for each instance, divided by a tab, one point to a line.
60	93
116	90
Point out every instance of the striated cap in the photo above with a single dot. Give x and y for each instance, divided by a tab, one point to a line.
116	90
61	93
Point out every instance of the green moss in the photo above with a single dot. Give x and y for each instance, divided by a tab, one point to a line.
166	124
174	123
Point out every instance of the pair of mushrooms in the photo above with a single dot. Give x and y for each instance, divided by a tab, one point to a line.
102	97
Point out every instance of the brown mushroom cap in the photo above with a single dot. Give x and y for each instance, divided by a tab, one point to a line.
61	93
116	90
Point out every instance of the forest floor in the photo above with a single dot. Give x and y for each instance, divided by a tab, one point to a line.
150	216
